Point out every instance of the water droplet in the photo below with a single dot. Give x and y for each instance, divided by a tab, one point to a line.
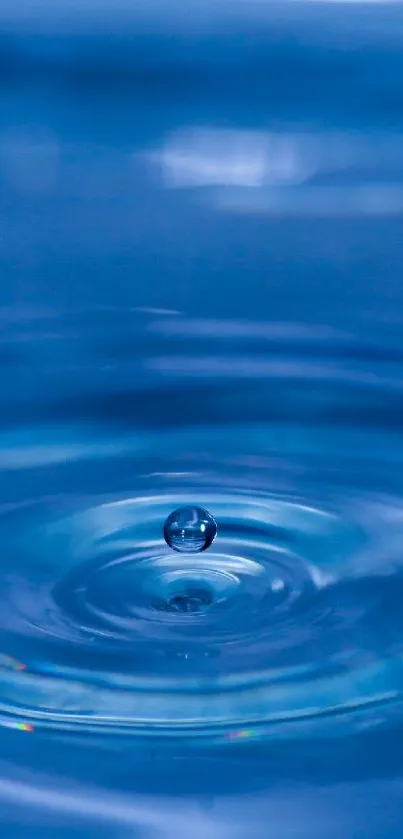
190	529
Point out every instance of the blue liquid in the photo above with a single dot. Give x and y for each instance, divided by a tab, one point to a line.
201	302
190	530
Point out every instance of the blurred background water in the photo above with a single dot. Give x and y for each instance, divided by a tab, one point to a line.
201	303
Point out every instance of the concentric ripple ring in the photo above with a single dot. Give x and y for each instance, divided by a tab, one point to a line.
285	589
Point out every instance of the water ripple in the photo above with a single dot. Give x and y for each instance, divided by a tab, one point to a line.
300	630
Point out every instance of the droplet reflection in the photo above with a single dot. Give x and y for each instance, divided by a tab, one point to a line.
190	529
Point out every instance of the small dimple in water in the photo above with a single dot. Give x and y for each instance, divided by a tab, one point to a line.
190	529
190	602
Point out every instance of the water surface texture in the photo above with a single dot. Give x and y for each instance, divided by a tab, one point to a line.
201	305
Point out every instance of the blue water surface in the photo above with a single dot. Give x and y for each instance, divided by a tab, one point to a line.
201	305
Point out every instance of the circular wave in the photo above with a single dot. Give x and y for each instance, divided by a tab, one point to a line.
290	623
289	619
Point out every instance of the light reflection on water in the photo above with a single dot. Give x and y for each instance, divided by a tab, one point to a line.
201	303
